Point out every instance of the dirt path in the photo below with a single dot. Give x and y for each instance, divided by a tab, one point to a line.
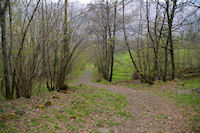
151	113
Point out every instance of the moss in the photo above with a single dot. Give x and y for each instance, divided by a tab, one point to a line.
74	116
41	106
9	116
48	103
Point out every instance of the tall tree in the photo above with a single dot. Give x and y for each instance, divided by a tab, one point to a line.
171	7
129	50
65	50
113	41
3	9
155	32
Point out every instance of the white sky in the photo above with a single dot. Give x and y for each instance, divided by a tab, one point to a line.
82	1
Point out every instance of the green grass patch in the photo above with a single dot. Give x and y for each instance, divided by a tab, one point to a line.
123	68
97	100
188	101
77	73
34	122
108	107
81	109
161	116
192	83
39	89
2	124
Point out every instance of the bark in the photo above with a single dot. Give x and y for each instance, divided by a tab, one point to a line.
109	43
172	58
11	47
60	83
170	18
166	60
113	41
4	51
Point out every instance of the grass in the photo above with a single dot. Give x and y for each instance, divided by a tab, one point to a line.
101	101
77	73
161	116
123	69
192	83
2	124
78	110
40	88
190	103
183	100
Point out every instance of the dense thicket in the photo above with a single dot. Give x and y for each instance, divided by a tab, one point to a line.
40	42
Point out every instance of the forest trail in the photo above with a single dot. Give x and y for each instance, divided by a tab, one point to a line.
150	112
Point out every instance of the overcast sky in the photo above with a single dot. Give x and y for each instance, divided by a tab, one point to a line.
83	1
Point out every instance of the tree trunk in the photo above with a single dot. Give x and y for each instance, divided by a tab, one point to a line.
166	60
11	48
172	57
4	51
113	47
170	17
60	83
129	51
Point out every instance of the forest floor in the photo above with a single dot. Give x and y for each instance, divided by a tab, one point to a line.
152	113
101	108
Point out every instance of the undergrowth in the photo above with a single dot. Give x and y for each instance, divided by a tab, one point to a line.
81	109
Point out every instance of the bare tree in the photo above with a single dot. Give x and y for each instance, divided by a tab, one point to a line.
129	50
156	32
